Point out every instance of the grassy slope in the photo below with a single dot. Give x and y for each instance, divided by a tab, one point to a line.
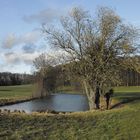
115	124
121	124
12	94
15	91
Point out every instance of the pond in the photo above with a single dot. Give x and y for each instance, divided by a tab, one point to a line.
57	102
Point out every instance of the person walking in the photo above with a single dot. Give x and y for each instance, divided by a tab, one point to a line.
107	97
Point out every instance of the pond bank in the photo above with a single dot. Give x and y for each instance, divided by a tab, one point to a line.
112	124
11	101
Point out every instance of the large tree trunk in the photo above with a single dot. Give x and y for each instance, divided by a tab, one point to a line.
42	88
92	95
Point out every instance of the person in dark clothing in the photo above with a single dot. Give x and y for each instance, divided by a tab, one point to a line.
107	97
97	98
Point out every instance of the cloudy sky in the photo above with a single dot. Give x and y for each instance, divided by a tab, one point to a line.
20	22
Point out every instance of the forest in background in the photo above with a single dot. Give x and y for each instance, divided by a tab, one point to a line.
8	79
129	78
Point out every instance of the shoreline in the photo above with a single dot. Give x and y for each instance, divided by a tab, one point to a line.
16	101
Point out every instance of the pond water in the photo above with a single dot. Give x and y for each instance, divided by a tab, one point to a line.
58	102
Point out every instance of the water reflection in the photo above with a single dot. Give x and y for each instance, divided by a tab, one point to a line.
57	102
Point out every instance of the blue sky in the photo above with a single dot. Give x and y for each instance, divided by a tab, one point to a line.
20	39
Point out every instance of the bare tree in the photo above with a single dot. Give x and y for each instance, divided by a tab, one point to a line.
98	47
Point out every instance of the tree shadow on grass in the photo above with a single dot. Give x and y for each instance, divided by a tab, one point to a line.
5	90
125	98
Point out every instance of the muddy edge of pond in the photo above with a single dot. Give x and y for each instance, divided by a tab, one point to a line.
5	111
16	101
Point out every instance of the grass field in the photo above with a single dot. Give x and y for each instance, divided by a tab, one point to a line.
127	89
12	94
122	123
15	91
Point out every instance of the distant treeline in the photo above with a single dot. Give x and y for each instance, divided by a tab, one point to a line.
130	78
56	78
7	79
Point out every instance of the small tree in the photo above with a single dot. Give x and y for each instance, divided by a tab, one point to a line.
46	73
98	47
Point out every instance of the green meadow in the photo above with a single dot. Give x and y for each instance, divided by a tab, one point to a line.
12	94
16	91
120	123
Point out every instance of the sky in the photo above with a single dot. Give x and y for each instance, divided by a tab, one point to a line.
20	22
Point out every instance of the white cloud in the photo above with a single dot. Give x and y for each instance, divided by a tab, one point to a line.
9	41
23	62
11	58
21	68
17	58
30	37
28	58
12	40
